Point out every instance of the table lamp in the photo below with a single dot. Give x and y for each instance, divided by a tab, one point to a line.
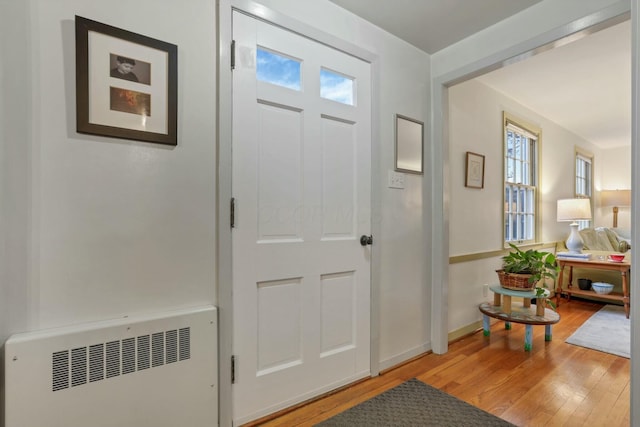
574	210
615	198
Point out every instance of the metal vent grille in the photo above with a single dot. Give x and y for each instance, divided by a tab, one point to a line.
113	359
78	366
157	349
96	362
128	355
185	344
143	352
60	370
172	346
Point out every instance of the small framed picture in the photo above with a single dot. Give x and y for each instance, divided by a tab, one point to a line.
474	170
409	146
126	84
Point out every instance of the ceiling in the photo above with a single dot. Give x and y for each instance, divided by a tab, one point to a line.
583	86
431	25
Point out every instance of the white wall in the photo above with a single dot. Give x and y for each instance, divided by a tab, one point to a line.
475	124
404	323
14	171
15	192
475	114
111	227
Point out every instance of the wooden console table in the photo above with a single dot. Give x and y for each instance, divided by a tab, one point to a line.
623	267
504	310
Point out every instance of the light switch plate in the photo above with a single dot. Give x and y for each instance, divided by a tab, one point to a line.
396	180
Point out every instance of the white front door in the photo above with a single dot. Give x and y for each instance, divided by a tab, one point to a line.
301	181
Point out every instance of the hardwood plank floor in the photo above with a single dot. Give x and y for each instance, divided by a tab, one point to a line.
556	384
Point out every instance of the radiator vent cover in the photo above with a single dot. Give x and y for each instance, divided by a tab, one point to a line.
156	370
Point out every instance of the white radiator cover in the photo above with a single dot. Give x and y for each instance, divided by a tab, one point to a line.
152	371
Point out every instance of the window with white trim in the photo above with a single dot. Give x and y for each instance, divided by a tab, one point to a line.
521	146
584	181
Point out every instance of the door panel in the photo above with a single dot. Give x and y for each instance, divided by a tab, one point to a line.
280	177
338	190
279	331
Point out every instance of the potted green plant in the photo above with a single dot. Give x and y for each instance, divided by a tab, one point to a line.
523	270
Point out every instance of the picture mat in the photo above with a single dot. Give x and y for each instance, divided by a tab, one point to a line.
100	48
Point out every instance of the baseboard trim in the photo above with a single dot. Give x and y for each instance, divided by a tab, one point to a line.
401	358
464	331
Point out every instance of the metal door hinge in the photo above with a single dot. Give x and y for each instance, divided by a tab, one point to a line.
233	54
232	215
233	369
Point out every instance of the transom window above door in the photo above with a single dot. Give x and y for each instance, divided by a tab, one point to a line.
285	71
336	87
278	69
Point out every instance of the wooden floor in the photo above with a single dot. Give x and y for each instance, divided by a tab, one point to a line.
556	384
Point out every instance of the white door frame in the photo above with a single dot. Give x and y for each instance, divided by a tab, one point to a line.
224	193
635	208
616	13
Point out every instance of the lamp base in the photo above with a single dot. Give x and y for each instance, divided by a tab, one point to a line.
574	242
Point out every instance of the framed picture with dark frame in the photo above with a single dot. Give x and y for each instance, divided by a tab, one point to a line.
409	146
474	170
126	84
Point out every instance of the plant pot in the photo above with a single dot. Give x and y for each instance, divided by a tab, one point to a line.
515	281
584	284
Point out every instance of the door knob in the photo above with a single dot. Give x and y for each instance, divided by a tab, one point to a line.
366	240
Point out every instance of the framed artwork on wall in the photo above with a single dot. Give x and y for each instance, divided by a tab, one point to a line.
474	170
409	146
126	84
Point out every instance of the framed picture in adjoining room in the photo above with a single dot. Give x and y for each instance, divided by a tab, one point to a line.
409	146
126	84
474	170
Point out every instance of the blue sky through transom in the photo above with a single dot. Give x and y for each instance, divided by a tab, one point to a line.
286	72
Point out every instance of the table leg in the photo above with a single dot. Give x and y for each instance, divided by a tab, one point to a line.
570	284
496	299
486	326
559	284
625	292
506	304
547	333
528	337
526	303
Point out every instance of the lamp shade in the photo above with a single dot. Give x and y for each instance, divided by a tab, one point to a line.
574	209
615	198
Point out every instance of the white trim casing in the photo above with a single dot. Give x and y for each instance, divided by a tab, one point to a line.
223	249
635	209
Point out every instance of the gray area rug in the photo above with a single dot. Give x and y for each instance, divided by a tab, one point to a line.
414	403
608	330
